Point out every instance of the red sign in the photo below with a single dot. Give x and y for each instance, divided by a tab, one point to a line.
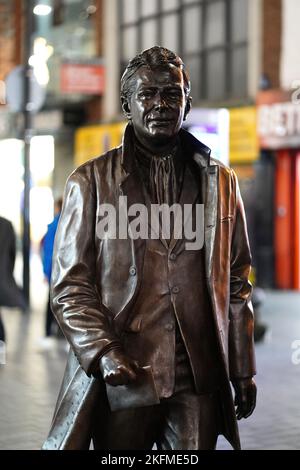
81	78
279	119
270	97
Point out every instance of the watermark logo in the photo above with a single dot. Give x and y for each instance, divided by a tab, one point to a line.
296	354
158	221
296	93
2	353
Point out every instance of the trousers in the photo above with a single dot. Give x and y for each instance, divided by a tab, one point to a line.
183	421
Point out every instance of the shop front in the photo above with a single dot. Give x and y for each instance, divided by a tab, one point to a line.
279	134
243	157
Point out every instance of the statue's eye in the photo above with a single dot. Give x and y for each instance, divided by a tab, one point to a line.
146	94
174	93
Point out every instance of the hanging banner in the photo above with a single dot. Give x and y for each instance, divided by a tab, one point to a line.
278	119
87	79
243	141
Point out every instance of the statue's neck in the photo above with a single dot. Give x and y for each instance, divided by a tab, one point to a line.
159	149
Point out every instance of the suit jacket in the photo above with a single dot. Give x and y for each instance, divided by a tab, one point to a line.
95	281
10	293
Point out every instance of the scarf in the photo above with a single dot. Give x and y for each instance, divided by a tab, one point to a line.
160	174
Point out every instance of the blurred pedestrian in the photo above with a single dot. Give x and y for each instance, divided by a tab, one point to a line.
47	243
10	294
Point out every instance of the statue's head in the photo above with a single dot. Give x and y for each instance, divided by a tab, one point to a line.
155	95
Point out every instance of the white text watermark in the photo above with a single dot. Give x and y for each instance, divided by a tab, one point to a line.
296	93
138	221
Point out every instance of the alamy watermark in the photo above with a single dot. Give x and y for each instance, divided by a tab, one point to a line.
153	222
296	93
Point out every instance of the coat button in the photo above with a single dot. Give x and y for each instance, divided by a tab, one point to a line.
173	257
169	327
132	271
175	290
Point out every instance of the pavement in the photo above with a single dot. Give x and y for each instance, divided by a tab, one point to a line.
31	377
275	423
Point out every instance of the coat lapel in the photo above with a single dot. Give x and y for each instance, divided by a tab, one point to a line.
209	185
188	197
210	177
131	187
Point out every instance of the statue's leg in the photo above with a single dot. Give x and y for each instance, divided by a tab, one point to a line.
133	429
190	422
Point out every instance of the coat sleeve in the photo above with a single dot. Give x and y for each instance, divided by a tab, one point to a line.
241	343
76	302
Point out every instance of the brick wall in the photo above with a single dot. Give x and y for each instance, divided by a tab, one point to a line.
10	35
272	28
93	108
98	25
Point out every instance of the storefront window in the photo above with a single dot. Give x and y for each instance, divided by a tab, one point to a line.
210	35
170	32
193	67
130	12
239	20
191	30
149	34
215	24
169	4
215	82
70	32
129	43
239	71
148	8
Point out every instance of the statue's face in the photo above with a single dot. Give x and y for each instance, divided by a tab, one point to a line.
157	105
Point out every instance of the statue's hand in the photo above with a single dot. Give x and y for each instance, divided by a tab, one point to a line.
118	369
245	397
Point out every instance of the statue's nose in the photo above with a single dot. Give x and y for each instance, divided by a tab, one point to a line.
160	101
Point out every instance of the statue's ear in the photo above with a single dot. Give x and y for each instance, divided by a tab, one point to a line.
126	107
187	107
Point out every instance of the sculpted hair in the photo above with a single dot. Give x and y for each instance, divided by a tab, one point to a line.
153	57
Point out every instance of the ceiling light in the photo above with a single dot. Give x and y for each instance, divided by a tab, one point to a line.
42	10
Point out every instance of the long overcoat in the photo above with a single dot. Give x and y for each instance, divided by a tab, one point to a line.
95	280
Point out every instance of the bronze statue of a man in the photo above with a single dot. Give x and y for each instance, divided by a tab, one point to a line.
153	299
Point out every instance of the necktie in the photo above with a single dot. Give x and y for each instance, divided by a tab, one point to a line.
163	189
163	180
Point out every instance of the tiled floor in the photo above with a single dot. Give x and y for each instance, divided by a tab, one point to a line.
30	380
275	423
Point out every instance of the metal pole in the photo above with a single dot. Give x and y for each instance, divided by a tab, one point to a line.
27	111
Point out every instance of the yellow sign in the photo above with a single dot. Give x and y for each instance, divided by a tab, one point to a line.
93	141
244	146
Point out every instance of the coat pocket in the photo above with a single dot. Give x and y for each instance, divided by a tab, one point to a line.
134	326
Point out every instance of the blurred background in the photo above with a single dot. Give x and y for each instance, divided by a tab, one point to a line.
60	68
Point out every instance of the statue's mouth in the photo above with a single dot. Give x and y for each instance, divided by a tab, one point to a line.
161	120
